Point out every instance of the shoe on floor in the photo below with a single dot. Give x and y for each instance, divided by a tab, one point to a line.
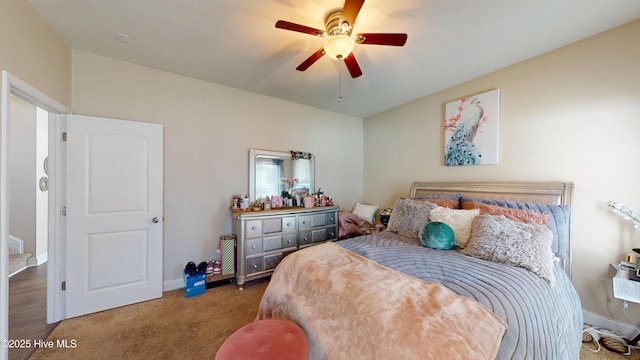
214	267
217	267
615	344
202	268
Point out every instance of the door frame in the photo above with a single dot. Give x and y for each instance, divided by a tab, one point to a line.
11	84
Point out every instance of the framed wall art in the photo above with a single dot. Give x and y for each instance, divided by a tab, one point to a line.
471	127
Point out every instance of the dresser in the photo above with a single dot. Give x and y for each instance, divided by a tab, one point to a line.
265	237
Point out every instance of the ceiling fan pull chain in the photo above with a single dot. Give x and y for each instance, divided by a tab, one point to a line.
339	82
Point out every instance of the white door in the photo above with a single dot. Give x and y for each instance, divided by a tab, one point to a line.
113	213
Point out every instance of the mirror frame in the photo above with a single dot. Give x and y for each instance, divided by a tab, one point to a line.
255	153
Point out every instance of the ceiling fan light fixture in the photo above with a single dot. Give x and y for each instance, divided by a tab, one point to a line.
339	47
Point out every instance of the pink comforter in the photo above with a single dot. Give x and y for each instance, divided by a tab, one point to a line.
354	308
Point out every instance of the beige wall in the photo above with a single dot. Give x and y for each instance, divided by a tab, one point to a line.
28	205
32	51
21	156
208	131
572	114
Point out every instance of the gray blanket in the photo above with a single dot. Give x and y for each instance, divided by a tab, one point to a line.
544	322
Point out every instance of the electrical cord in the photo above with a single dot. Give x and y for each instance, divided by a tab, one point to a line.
625	266
598	333
625	306
593	336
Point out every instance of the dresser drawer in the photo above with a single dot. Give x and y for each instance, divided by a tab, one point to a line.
272	243
254	246
253	227
263	263
289	240
332	233
319	235
318	220
304	238
304	222
271	226
289	224
271	261
332	218
255	265
324	234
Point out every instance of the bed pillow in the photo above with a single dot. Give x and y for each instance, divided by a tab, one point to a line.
527	216
408	216
458	220
365	212
436	235
450	201
499	239
559	218
348	225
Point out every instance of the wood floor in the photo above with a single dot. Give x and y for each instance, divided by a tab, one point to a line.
28	309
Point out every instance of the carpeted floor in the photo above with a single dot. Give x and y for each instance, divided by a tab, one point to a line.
175	327
172	327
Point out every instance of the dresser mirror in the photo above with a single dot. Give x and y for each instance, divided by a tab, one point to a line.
267	169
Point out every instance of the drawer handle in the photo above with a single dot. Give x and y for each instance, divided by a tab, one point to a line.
288	224
254	227
332	234
254	246
255	266
304	239
288	241
330	219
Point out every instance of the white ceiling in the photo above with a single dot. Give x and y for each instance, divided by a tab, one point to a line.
235	42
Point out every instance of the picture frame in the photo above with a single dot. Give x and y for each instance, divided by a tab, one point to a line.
471	128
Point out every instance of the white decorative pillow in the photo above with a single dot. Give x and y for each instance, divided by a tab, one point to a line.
365	212
499	239
408	216
458	220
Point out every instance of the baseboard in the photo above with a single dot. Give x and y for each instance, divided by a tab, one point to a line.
37	260
627	330
172	284
16	245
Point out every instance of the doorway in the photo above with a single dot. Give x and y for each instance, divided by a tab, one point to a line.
12	85
28	184
28	221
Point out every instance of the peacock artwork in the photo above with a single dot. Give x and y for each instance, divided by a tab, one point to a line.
471	130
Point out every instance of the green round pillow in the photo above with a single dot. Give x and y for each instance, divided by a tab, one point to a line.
436	235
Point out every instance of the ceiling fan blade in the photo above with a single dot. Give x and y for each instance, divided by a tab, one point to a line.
281	24
350	10
382	39
352	65
310	60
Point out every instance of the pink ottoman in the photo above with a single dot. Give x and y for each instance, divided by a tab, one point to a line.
265	339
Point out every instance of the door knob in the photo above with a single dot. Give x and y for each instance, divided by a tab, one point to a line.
155	220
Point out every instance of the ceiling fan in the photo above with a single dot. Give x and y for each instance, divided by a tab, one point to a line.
339	43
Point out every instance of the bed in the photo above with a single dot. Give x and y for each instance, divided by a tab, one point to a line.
386	295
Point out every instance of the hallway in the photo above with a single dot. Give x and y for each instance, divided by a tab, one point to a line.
28	309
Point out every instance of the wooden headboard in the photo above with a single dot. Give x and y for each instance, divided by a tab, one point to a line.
548	193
